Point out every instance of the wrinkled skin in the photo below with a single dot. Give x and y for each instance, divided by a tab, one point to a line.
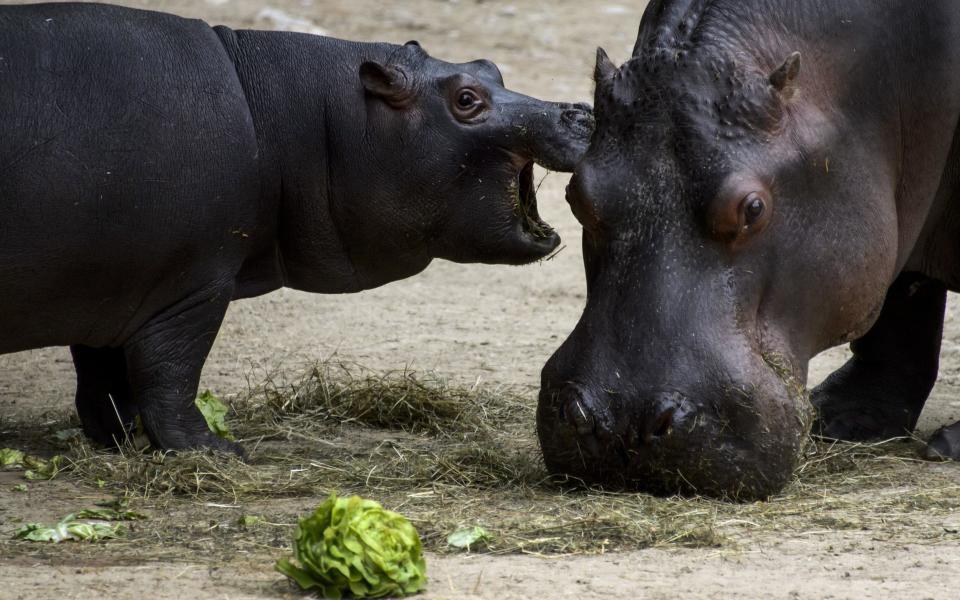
767	180
155	168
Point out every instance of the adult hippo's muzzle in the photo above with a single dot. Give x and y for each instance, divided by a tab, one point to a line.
667	433
665	442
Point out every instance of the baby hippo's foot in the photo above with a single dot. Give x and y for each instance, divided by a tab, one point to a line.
188	434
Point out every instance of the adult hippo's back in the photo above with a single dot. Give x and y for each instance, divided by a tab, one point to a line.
741	214
153	168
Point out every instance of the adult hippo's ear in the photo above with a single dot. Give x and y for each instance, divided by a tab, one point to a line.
605	68
604	74
783	79
389	83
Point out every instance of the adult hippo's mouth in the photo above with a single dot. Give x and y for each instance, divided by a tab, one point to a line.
533	230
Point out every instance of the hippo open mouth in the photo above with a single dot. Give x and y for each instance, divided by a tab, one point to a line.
525	208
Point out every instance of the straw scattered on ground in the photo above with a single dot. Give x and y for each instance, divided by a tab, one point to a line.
452	456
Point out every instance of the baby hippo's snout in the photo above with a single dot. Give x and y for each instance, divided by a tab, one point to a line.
557	134
578	118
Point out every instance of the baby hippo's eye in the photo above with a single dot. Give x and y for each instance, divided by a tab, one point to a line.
753	209
466	99
469	101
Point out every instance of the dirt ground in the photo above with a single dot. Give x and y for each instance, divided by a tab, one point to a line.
471	323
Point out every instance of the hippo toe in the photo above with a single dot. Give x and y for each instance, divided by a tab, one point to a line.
945	444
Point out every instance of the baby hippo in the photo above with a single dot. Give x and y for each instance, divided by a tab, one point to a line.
155	168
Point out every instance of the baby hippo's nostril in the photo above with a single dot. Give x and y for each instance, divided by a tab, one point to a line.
579	120
574	411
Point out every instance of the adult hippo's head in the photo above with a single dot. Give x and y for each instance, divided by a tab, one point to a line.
710	207
453	151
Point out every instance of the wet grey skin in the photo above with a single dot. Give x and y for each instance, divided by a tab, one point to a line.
155	168
767	179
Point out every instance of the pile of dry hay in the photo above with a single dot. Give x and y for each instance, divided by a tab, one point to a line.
449	456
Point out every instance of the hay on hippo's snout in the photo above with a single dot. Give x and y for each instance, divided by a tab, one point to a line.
448	456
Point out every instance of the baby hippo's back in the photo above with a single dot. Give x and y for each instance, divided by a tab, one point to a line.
126	152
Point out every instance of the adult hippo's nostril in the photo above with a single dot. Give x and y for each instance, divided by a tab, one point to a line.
584	413
661	426
574	413
672	410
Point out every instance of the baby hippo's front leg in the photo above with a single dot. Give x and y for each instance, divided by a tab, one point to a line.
164	360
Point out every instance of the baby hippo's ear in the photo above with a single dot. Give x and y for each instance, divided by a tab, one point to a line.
389	83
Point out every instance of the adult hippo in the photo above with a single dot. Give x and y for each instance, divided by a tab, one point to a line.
742	214
152	169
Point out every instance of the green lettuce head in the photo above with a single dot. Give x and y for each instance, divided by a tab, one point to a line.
355	546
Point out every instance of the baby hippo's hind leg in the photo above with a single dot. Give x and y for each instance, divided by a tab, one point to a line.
104	402
164	360
879	393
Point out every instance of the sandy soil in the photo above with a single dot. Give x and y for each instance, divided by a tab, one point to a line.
470	322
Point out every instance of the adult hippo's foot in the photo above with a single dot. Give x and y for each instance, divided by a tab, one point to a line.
164	360
945	444
879	393
104	402
865	402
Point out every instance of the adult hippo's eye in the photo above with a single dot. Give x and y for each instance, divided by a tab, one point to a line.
753	209
742	208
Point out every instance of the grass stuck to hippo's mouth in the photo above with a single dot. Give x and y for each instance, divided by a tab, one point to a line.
525	204
449	457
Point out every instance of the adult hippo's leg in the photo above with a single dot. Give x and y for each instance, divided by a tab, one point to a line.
879	393
104	402
945	443
164	360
